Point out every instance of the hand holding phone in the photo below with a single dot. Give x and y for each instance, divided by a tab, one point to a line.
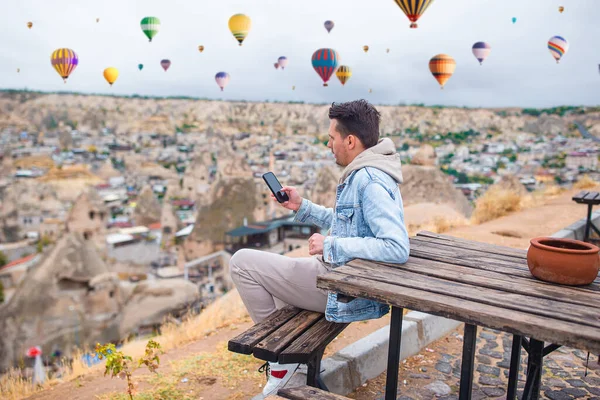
287	196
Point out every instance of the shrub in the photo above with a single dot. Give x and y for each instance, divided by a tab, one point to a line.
3	259
495	203
1	293
585	182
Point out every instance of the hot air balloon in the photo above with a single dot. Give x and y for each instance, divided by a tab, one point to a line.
343	73
276	65
165	64
370	90
325	61
514	19
240	25
481	50
200	48
442	67
366	48
387	50
329	25
140	66
283	61
558	47
413	9
97	20
29	25
64	62
111	74
561	9
222	79
293	87
18	70
150	26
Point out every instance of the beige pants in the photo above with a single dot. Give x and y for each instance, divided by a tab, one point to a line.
269	281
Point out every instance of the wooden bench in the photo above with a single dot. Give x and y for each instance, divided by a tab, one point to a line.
591	199
307	393
290	335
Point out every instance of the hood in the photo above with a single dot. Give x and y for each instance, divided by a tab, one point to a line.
382	156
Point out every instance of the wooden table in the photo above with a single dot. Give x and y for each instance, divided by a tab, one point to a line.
482	285
591	199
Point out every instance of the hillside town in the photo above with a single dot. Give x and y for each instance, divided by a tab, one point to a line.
112	216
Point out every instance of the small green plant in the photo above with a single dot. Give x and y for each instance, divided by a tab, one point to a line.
3	259
1	293
122	365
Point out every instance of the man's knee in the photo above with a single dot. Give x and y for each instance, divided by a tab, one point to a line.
238	260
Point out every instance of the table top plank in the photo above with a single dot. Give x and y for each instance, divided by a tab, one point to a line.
546	329
495	280
579	196
591	196
504	300
472	245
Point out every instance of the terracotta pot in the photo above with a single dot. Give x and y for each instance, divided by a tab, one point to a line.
563	261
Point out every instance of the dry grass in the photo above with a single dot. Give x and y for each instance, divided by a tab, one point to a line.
495	203
585	182
437	225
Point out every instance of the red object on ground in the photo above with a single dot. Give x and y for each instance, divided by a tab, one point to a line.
34	351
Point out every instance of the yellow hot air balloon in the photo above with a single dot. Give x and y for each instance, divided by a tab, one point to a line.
29	25
442	67
366	48
343	73
561	9
200	48
111	74
240	25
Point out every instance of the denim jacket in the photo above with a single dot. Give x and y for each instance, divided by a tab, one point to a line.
368	223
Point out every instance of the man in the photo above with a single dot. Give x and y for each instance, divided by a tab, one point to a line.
367	222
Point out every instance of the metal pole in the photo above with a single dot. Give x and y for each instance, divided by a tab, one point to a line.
391	385
515	363
586	235
468	358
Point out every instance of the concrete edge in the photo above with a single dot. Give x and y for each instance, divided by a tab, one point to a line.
366	358
577	229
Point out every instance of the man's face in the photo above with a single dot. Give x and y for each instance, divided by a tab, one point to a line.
337	144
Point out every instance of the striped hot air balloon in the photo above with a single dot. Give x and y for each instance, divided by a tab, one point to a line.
329	25
282	61
150	26
558	47
442	67
64	62
222	79
413	9
481	50
325	61
343	73
239	25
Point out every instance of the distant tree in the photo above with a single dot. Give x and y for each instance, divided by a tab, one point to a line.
1	293
3	259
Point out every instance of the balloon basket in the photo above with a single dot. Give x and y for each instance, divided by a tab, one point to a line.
414	25
325	84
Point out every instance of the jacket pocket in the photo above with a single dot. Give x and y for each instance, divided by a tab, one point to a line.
346	222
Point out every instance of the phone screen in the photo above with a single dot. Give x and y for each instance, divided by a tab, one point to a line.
272	181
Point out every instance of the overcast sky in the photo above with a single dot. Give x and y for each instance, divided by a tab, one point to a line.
519	72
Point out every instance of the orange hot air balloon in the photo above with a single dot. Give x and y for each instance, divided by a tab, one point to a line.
366	48
561	9
200	48
29	25
442	67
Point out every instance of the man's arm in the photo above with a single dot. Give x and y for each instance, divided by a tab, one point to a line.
315	214
385	220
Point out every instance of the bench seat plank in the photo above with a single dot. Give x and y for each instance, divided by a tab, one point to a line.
245	342
312	340
308	393
269	348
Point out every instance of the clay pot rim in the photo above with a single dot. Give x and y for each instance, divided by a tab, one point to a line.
591	249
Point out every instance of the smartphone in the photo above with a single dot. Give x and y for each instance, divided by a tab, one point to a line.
275	186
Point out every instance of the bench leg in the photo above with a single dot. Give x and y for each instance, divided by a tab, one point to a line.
588	222
313	375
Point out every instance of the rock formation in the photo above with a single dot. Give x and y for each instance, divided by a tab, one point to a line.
148	209
71	298
425	156
323	192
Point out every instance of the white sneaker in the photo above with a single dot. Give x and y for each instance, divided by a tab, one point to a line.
277	376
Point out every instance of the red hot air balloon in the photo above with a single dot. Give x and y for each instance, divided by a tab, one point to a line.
165	64
325	62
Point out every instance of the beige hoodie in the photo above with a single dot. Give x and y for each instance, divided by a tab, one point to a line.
382	156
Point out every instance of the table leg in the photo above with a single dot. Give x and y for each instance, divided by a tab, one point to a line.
468	359
534	370
588	222
515	363
391	385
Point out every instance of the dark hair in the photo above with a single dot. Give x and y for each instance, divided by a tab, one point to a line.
358	118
